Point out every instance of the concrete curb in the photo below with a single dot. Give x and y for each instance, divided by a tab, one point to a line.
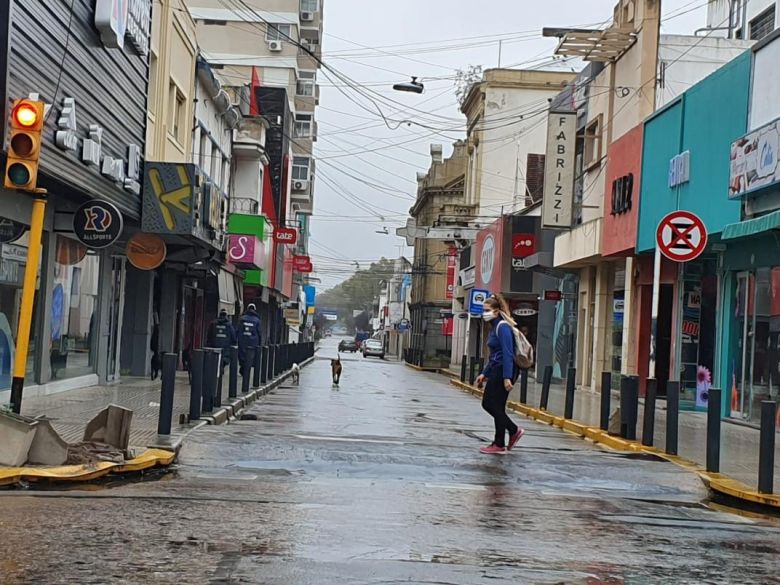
162	454
419	369
716	482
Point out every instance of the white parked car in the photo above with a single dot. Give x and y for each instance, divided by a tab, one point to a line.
374	347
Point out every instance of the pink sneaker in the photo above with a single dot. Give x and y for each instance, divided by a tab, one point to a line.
515	438
492	449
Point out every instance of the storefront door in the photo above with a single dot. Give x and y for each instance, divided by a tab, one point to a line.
116	311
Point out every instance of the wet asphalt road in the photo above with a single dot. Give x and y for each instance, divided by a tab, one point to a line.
380	482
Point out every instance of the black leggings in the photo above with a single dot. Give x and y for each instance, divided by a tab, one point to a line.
494	402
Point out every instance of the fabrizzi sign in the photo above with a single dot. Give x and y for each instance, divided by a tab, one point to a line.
558	205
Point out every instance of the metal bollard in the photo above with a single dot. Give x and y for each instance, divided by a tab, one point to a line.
546	380
524	386
233	372
196	386
713	430
218	386
463	364
210	378
672	416
249	358
167	389
766	450
258	363
606	399
263	364
648	423
472	375
629	406
271	360
568	409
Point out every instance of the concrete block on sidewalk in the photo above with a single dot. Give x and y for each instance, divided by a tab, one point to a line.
47	448
110	426
16	436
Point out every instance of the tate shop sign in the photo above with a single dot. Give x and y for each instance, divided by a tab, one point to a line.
285	236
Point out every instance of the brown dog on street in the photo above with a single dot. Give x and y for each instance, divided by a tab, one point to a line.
335	370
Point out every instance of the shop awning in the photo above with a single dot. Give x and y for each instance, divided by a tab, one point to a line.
752	227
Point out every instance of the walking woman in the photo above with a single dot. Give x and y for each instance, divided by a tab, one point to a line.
499	374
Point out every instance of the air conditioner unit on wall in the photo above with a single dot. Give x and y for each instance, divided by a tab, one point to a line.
300	185
275	46
307	16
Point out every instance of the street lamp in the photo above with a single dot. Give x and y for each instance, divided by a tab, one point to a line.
412	86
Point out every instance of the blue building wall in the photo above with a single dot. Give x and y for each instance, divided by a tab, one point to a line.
705	120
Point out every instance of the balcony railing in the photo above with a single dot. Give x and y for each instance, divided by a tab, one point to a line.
246	205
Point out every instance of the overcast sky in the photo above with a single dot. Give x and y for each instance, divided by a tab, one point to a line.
365	170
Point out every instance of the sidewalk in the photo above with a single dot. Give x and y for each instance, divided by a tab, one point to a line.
739	443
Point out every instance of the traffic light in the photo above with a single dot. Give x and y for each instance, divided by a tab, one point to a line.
24	145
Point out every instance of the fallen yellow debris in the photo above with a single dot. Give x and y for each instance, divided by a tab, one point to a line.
146	460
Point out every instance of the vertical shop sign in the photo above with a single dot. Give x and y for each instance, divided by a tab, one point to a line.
558	203
452	260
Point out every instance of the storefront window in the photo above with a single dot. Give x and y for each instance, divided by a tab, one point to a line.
74	310
13	261
697	339
756	363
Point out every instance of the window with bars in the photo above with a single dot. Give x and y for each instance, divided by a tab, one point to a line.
303	123
763	24
300	168
305	85
278	32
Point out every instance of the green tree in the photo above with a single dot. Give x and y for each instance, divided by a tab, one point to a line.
359	290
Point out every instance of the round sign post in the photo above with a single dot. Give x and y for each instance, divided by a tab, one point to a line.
97	224
681	237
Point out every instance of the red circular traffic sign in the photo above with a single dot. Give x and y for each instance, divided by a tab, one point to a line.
681	236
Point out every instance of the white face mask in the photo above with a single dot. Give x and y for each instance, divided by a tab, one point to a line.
489	316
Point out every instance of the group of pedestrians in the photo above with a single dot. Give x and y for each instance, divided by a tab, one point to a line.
223	335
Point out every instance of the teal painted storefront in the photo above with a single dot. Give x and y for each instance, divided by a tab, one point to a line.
703	121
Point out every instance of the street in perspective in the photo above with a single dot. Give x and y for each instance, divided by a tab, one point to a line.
379	480
344	292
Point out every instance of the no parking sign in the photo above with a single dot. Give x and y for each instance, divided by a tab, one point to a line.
681	236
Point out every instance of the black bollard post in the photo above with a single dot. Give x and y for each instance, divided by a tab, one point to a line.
463	364
271	360
606	399
249	358
167	389
766	451
472	375
233	372
524	386
546	380
648	424
568	409
218	385
263	364
713	430
633	407
672	415
196	386
210	377
258	364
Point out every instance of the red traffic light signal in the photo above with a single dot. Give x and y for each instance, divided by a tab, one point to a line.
24	146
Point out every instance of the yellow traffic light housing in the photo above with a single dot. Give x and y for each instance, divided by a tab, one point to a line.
24	145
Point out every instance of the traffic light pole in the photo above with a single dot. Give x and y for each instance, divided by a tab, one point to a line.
28	297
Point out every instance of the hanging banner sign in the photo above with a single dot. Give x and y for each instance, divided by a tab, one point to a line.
97	224
558	202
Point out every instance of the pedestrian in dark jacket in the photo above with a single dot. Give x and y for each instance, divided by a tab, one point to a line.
499	374
221	334
248	334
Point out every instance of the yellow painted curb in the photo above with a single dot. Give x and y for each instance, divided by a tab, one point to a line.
148	459
715	481
419	369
